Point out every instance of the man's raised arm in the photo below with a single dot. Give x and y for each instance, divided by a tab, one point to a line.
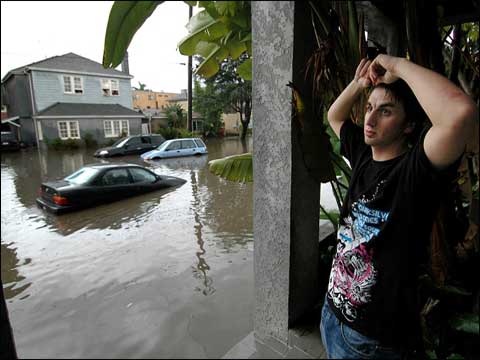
450	110
340	109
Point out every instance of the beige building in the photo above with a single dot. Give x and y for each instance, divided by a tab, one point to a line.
148	99
232	123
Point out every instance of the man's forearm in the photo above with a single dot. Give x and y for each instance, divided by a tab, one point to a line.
341	108
444	103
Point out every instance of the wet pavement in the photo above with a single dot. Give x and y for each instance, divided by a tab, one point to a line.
167	274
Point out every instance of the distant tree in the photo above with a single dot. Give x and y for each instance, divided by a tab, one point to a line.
176	116
234	92
207	101
140	86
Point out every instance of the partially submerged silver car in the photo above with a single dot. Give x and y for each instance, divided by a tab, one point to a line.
177	147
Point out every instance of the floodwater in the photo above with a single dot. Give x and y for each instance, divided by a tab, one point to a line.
167	274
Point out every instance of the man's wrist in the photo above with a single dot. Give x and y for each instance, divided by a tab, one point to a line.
356	87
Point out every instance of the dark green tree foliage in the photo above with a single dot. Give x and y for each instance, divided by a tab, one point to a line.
207	101
235	93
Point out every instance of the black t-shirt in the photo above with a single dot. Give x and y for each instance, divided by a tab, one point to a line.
383	234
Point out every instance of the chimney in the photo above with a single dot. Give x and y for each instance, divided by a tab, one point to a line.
125	67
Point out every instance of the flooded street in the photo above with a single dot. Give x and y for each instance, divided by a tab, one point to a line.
168	274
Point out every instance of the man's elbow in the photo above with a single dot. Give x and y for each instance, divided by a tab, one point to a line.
463	123
467	115
332	119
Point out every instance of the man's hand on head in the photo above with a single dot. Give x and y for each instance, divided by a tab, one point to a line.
382	69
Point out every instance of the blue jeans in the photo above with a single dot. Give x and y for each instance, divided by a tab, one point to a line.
342	342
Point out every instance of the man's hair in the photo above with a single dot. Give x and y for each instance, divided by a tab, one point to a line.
414	113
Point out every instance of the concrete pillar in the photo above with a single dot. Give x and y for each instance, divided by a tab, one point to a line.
286	198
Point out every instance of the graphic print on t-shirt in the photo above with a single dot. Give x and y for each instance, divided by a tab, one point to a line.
353	274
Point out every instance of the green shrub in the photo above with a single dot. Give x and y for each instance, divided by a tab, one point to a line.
110	142
184	133
174	133
89	140
59	144
168	133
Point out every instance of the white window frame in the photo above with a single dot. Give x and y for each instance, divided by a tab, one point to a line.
115	87
115	128
70	125
111	85
73	88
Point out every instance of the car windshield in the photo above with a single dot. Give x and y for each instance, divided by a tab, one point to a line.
163	145
82	176
120	143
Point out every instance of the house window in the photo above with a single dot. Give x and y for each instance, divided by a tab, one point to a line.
68	130
110	87
115	128
115	87
72	84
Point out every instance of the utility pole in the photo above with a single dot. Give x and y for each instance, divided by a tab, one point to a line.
189	94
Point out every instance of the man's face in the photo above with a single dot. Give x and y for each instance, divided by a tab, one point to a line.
385	120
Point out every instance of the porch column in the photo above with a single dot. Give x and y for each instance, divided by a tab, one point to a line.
286	198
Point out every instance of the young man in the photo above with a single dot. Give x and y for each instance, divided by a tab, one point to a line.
371	309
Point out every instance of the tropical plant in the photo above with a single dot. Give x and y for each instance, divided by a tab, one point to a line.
176	116
221	30
141	86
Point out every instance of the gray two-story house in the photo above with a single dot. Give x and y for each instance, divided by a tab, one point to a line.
69	97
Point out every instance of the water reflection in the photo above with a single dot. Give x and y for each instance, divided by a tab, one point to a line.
13	282
113	216
200	271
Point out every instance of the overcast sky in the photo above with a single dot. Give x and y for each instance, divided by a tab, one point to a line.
36	30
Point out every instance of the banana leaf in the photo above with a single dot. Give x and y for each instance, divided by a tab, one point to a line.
126	17
201	27
234	168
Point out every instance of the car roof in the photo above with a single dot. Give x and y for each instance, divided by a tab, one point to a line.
132	136
172	140
111	165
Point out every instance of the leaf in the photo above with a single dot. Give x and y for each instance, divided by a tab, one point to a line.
202	27
126	17
234	168
353	32
209	7
466	322
331	216
209	66
244	70
339	162
236	48
228	8
205	48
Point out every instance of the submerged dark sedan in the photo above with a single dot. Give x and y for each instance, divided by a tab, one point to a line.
135	144
100	183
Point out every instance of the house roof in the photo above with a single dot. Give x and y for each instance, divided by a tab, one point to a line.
81	110
69	62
